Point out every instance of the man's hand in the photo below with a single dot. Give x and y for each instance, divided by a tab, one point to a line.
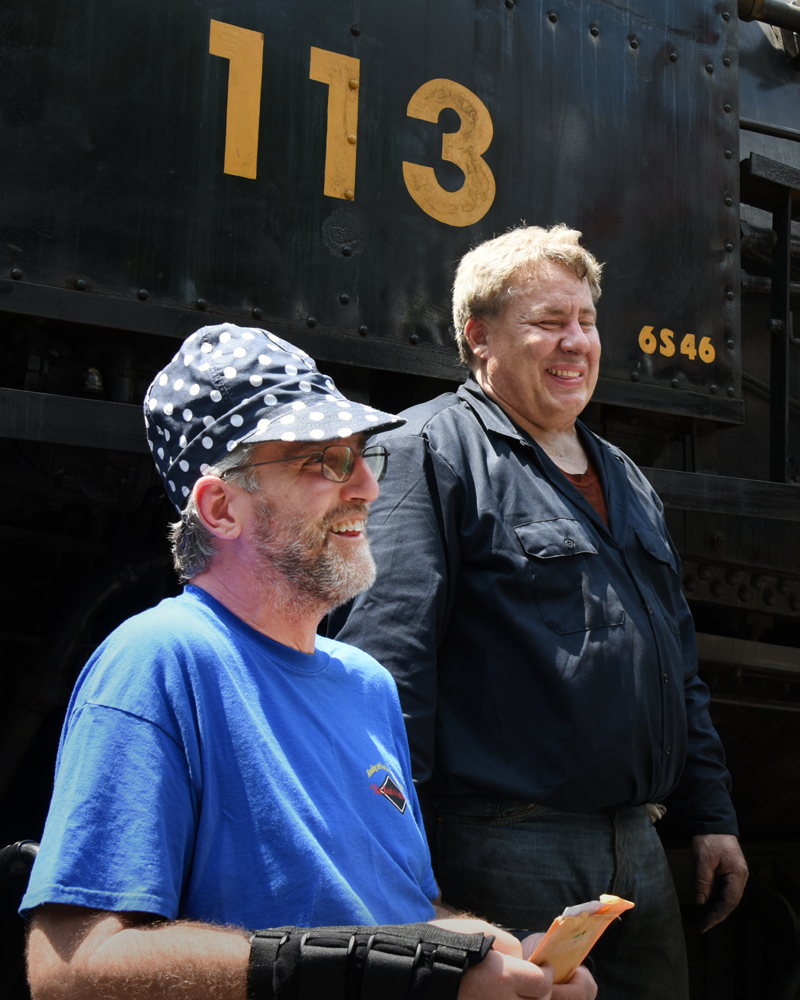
504	975
718	857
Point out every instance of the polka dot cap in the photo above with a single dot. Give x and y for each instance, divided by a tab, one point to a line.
228	386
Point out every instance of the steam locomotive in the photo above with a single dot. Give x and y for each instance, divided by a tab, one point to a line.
317	168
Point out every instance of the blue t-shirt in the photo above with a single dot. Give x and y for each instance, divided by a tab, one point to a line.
206	771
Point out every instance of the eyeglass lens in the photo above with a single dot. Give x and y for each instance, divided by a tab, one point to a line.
338	462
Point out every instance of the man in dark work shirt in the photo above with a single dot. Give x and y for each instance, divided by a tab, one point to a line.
528	604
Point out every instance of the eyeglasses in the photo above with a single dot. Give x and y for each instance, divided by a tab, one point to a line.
337	461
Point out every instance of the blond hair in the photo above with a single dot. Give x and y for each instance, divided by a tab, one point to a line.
484	276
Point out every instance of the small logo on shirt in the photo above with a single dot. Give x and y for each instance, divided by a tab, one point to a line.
389	788
393	793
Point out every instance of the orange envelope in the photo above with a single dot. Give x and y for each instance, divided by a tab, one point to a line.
572	935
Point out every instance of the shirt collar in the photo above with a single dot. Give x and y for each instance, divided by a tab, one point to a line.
491	414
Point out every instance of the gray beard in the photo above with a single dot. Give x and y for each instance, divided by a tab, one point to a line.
315	575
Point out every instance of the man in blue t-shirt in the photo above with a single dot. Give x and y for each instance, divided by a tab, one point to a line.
222	767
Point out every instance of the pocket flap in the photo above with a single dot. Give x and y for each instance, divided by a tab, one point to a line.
559	536
655	543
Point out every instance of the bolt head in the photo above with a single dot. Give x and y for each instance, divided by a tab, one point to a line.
414	338
143	294
729	201
731	391
201	304
347	251
712	388
344	298
730	344
16	273
729	247
355	29
363	330
673	57
730	296
726	61
709	67
349	195
635	376
594	31
726	16
81	284
634	44
257	313
726	108
728	154
311	321
552	17
510	4
674	383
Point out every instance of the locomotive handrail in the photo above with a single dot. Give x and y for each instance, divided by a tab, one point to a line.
782	15
777	131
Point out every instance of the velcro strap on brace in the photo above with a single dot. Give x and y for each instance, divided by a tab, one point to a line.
402	962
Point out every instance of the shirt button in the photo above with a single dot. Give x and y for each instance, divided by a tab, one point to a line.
649	609
569	543
668	749
666	678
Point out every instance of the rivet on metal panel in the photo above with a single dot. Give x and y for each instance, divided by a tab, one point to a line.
726	16
729	247
347	251
712	388
363	330
726	108
730	296
143	294
81	284
705	572
709	67
257	313
635	376
311	321
730	344
353	84
510	4
344	298
717	589
728	154
733	576
673	57
784	587
16	273
352	139
729	201
769	597
745	594
726	61
634	44
349	194
731	391
674	383
552	17
355	29
414	338
201	304
689	583
594	31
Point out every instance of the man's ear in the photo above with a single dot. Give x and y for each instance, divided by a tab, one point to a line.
217	506
475	331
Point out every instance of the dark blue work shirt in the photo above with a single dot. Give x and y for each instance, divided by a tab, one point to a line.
540	655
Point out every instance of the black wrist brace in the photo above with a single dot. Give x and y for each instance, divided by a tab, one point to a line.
402	962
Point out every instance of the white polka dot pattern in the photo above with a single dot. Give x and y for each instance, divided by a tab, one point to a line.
226	390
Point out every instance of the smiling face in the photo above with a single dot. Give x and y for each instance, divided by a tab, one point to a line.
312	530
539	358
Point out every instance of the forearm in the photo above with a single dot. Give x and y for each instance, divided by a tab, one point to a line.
98	956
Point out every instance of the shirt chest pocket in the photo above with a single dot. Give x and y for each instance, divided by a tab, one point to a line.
660	570
572	592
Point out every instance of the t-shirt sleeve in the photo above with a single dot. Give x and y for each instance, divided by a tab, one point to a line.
120	832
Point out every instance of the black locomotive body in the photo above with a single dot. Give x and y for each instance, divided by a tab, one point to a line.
317	168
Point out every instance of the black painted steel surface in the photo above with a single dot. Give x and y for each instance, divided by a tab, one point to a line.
617	119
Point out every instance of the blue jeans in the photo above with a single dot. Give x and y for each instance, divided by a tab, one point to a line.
520	864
